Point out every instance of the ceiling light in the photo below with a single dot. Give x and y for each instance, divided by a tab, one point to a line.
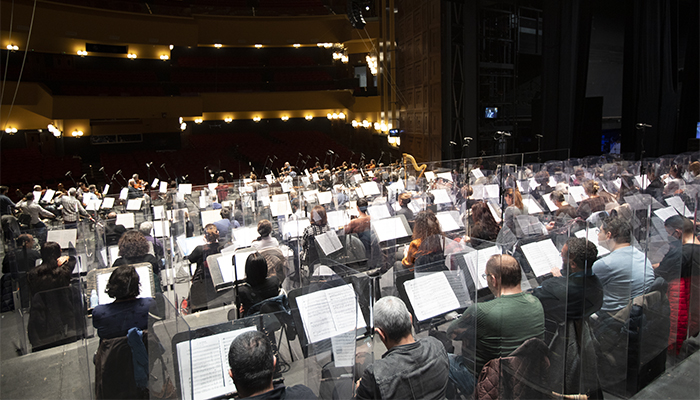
285	118
345	59
228	120
164	57
258	46
198	120
256	118
309	117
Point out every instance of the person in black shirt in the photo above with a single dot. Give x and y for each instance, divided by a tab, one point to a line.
259	286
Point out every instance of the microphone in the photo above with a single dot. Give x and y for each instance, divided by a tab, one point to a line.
275	157
468	138
300	155
69	173
84	175
504	133
643	125
162	165
538	135
102	169
118	172
453	143
308	157
330	152
148	164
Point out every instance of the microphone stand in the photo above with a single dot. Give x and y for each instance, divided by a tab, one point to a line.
126	181
296	164
148	174
501	137
380	158
70	175
162	166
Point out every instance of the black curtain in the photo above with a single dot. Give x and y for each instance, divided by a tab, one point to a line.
566	44
650	80
689	51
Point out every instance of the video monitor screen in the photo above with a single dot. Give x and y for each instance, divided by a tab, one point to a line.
491	112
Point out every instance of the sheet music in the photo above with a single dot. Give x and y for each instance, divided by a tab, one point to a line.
245	236
431	295
123	194
370	188
324	197
144	279
642	181
134	204
287	186
269	179
337	218
593	238
210	216
105	189
476	263
343	347
305	181
357	178
113	254
495	213
155	183
478	192
48	196
329	242
476	172
550	204
330	312
533	207
65	237
295	228
203	365
447	221
225	263
578	193
161	228
158	212
203	202
665	213
163	187
358	191
93	205
457	283
491	191
677	203
390	228
314	176
530	225
186	245
441	196
429	175
127	220
552	182
397	187
185	188
542	256
445	175
280	208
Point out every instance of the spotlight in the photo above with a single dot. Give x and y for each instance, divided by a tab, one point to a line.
334	116
171	47
341	116
377	126
366	124
180	120
354	123
329	116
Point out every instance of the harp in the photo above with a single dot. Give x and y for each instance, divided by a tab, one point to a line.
409	157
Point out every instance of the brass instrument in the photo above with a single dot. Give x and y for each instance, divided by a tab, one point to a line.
415	165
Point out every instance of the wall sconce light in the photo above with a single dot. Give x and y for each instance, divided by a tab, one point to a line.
131	56
82	53
55	131
334	116
164	57
372	64
181	120
285	118
198	120
12	47
77	133
228	120
377	126
171	47
341	116
344	59
329	116
10	130
355	124
258	46
256	118
297	45
309	117
218	45
183	125
366	124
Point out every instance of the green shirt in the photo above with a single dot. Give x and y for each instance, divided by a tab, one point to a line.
499	326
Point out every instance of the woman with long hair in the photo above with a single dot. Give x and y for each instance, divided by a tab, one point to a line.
53	273
259	286
484	226
427	238
515	207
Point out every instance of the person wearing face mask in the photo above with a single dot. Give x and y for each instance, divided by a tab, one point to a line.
625	272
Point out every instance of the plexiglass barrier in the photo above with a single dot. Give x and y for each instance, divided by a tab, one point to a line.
591	286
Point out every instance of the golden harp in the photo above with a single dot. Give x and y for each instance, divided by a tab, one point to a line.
422	168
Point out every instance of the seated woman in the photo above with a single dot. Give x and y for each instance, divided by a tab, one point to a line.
259	286
53	273
515	207
203	289
319	225
593	203
133	249
127	311
264	240
484	228
115	375
428	241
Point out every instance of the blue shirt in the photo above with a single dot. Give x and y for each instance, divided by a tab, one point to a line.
625	274
115	319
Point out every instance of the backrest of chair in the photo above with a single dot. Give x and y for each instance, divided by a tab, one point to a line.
276	262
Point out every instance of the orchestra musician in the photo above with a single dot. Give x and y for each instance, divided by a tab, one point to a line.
137	183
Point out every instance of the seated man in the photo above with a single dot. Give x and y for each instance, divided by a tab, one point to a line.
626	272
252	367
225	225
502	324
409	369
